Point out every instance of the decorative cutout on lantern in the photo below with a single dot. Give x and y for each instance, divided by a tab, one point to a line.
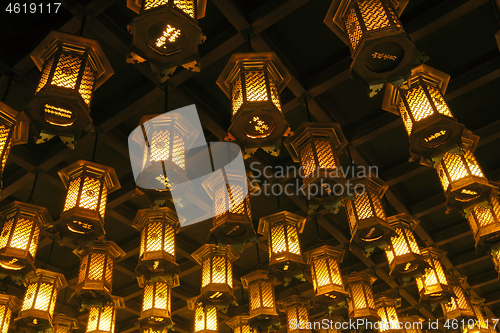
64	324
334	324
205	317
42	288
360	302
381	50
366	215
7	304
262	300
484	221
95	277
404	256
315	146
324	263
240	324
157	250
412	324
87	186
459	306
102	318
253	82
23	225
217	273
433	286
166	34
296	308
386	308
156	305
282	230
72	68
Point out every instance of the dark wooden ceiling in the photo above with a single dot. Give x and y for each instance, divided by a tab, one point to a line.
457	35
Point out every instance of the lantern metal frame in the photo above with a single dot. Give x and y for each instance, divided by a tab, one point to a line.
409	262
386	309
459	306
240	324
254	103
480	318
95	314
8	304
180	19
324	263
495	257
19	218
64	324
296	307
286	226
158	295
484	221
92	184
216	260
360	285
205	314
440	291
377	33
58	57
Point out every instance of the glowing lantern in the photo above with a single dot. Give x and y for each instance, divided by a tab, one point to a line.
380	48
360	302
217	273
366	215
7	304
315	146
262	300
87	185
484	221
253	82
95	277
23	224
166	34
42	288
386	308
324	263
155	330
433	286
240	324
205	317
495	256
334	324
282	230
72	68
404	256
479	323
102	318
412	324
232	222
64	324
297	311
156	305
157	250
459	306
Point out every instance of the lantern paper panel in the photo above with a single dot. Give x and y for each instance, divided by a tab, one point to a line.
380	48
459	306
7	305
240	324
253	82
95	277
156	305
282	230
166	34
479	324
7	130
484	221
217	273
433	286
334	324
157	248
205	317
64	324
366	215
361	303
102	319
72	68
23	225
412	324
326	276
386	308
88	185
404	256
37	309
296	309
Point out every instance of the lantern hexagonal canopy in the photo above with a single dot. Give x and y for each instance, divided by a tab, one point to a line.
23	225
7	304
72	68
386	308
205	316
253	82
433	286
240	324
156	312
88	185
102	319
484	221
64	324
361	303
296	308
166	34
381	50
459	306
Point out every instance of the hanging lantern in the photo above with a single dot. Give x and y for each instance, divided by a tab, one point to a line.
478	324
217	273
380	48
315	146
334	324
23	224
495	256
42	288
240	324
360	302
87	186
102	318
157	250
262	300
64	324
166	34
205	317
484	221
156	310
412	324
253	82
324	264
297	313
386	308
433	286
459	306
7	305
282	230
404	256
366	215
95	277
72	68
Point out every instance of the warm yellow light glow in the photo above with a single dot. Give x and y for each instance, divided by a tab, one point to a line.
169	35
187	6
102	319
361	303
240	324
7	304
296	309
156	304
433	285
459	306
205	317
386	309
454	167
484	221
262	300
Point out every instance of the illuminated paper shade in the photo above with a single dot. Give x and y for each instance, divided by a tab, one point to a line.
296	309
240	324
7	305
156	305
361	303
484	221
386	308
433	286
459	306
205	317
102	319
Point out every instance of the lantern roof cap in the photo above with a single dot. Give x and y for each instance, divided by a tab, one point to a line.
109	172
63	318
476	300
283	216
108	246
395	220
57	278
259	274
135	5
235	321
432	251
143	216
208	249
456	279
374	184
325	250
382	300
8	113
224	177
367	277
281	75
44	216
50	43
9	300
292	300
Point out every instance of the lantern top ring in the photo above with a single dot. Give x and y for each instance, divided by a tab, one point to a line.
44	216
57	279
212	249
111	179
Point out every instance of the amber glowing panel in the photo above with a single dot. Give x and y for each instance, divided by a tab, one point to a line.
262	300
361	303
296	309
